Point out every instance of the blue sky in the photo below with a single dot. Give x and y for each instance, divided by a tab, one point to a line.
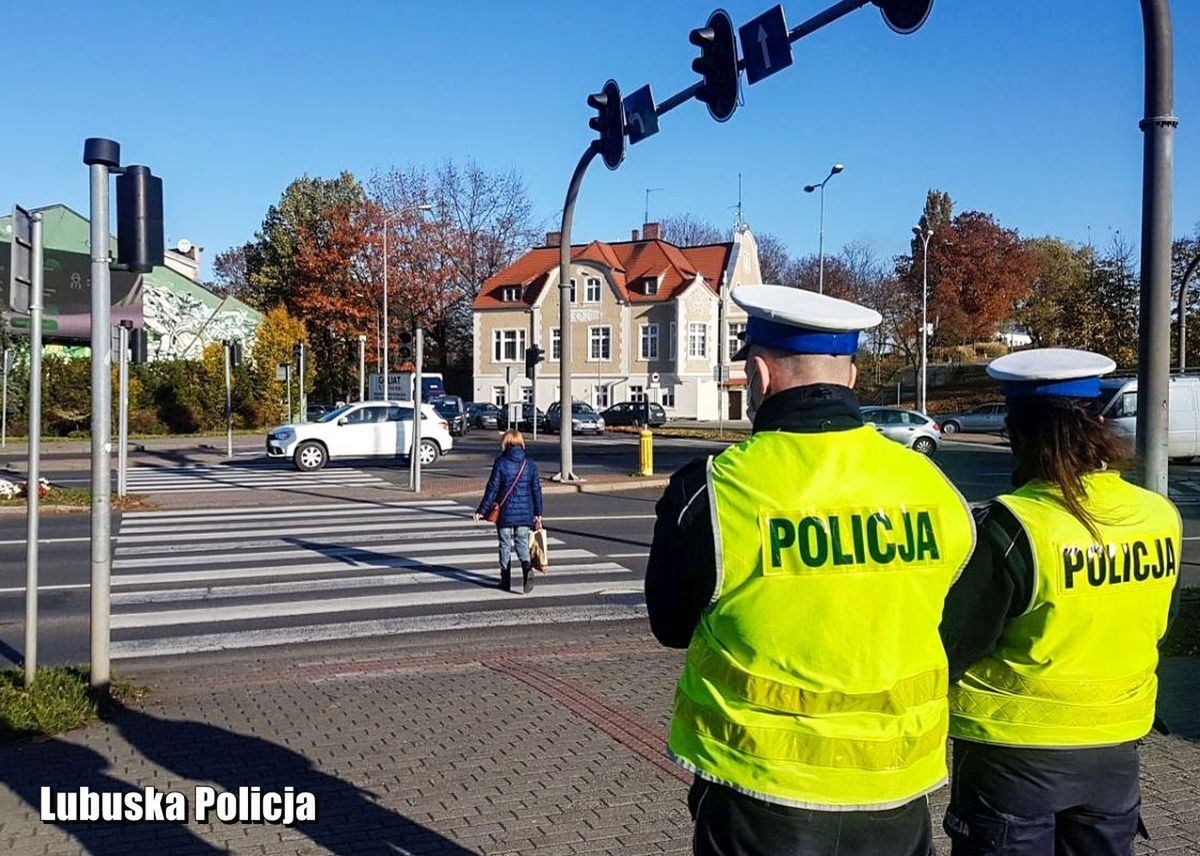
1028	110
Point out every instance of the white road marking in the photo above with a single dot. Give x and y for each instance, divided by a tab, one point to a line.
62	587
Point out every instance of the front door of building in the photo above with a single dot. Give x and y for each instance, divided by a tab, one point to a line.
735	404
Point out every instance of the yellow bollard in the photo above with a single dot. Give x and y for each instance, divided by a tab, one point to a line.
646	445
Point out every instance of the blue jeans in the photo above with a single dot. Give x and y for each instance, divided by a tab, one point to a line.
507	533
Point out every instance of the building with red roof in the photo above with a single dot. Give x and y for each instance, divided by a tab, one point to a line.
649	320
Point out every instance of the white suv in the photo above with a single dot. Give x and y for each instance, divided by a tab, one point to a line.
366	429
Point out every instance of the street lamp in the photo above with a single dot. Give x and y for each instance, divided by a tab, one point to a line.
924	236
809	188
1183	284
385	369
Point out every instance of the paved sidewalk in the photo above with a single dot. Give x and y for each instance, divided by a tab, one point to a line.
492	744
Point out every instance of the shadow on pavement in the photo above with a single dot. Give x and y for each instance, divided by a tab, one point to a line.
349	822
358	558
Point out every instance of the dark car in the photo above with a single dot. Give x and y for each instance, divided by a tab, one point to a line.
583	418
482	414
635	413
452	409
527	416
987	418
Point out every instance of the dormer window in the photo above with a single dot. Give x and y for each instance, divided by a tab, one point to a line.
510	294
649	285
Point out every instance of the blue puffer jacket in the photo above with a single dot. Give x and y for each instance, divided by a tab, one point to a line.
525	503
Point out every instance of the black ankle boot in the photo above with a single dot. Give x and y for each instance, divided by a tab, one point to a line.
505	579
526	578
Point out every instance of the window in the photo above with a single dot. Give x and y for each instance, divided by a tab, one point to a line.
527	395
510	294
600	397
697	340
735	344
555	344
592	293
649	342
666	397
499	398
367	415
674	338
572	290
637	393
1125	406
599	344
649	285
508	346
400	414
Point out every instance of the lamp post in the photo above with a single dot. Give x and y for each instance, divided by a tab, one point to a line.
386	368
809	188
924	236
1183	284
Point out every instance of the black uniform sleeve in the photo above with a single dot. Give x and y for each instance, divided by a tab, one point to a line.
681	575
996	585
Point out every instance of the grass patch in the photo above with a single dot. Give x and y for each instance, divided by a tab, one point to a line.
1183	640
58	701
79	497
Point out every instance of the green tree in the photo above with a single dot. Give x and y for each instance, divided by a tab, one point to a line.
1061	275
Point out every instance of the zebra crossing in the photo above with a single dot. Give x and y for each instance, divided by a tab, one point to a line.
212	580
267	475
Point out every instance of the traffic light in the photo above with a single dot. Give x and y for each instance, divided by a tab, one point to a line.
533	356
235	353
137	346
904	16
139	220
609	123
717	64
406	346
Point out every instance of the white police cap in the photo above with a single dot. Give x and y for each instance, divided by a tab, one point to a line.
1066	372
800	321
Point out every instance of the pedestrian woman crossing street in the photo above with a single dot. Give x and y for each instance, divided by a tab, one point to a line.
513	501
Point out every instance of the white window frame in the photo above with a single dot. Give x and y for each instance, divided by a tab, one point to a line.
555	344
600	334
500	341
637	393
697	335
650	285
527	394
510	294
674	343
499	396
648	335
734	344
572	295
593	282
601	396
666	397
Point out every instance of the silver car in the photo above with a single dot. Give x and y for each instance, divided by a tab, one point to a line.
908	427
985	419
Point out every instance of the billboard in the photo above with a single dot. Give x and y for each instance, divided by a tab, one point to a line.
67	296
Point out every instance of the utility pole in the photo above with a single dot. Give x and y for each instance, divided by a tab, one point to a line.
1183	284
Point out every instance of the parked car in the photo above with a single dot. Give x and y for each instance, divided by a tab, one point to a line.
583	418
452	409
367	429
525	423
907	427
985	419
483	414
635	413
1118	405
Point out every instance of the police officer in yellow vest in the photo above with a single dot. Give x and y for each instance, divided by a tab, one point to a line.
805	571
1052	630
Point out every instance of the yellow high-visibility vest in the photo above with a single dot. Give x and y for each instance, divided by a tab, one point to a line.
817	678
1077	667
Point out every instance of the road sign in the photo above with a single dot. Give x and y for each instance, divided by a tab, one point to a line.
283	371
641	120
765	45
20	269
904	16
654	379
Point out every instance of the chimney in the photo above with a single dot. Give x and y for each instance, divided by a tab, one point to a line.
651	231
634	235
553	239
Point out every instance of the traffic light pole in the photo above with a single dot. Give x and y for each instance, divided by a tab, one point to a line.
566	468
122	406
228	346
33	494
414	454
362	368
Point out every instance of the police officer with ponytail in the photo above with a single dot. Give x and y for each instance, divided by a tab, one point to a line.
805	571
1052	631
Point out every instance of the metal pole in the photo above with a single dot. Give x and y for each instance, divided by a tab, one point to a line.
101	430
387	362
122	408
921	403
1154	318
301	393
4	405
33	498
1183	284
288	383
362	368
228	402
414	455
566	468
821	244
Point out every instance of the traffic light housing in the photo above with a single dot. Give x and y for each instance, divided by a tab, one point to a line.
235	353
139	220
717	64
533	356
406	346
904	16
609	123
297	351
138	346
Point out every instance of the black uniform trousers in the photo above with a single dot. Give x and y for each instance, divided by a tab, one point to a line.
730	823
1007	801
